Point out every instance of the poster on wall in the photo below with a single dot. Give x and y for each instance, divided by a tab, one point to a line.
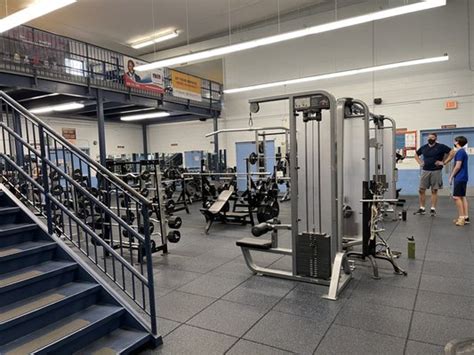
69	134
186	86
150	80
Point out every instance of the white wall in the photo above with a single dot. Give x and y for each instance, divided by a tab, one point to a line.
413	96
180	137
116	134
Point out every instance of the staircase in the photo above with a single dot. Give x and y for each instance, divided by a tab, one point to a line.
69	284
49	303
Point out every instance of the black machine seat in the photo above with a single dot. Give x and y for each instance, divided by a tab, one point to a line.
263	244
236	214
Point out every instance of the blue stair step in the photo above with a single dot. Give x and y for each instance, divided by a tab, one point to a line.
8	210
12	228
36	312
69	334
120	341
17	233
25	254
29	281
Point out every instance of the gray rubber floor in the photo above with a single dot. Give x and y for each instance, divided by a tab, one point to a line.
210	303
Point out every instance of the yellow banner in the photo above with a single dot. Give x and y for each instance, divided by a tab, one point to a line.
186	86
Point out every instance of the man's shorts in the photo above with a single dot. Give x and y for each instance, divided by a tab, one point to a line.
460	188
431	179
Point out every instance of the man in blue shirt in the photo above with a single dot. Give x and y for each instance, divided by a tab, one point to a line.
459	176
434	154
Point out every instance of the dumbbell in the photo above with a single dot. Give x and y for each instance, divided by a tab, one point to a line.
175	222
173	236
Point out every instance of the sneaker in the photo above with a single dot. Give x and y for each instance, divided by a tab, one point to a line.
460	222
432	212
420	211
466	220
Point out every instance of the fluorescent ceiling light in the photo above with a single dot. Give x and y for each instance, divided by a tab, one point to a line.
353	21
35	10
58	108
408	63
154	39
145	116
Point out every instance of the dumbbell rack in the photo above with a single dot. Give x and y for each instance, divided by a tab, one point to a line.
145	181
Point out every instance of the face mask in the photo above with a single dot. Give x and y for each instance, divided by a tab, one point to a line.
431	141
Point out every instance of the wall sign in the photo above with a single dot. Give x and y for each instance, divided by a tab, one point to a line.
150	80
451	105
186	86
69	134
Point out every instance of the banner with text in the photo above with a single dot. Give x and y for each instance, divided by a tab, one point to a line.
151	80
186	86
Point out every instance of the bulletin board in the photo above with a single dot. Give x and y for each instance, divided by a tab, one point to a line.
406	141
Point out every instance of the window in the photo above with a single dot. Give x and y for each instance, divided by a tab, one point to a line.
74	67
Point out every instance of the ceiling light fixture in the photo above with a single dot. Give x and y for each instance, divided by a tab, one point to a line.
37	9
58	108
155	39
408	63
145	116
216	52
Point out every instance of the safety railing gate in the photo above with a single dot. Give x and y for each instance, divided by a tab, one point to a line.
75	195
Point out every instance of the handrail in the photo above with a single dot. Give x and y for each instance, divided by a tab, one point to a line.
77	220
72	208
76	185
84	156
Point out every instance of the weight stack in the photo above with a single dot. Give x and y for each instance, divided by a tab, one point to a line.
313	255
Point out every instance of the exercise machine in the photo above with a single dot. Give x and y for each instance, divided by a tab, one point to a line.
316	123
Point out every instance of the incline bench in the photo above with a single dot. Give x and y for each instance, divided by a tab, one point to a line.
220	211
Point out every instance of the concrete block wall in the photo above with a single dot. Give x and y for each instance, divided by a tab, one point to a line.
121	138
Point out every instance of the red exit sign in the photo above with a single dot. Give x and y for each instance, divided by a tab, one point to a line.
451	105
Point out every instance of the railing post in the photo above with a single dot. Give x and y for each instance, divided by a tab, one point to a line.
149	267
44	175
19	155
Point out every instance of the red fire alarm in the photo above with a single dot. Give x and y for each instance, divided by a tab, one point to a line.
451	105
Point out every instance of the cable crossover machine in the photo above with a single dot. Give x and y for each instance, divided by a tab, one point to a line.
316	130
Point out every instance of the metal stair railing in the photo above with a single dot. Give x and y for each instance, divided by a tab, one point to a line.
81	201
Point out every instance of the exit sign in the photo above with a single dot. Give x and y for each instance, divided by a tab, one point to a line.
451	105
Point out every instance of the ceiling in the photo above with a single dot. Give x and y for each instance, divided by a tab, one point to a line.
114	23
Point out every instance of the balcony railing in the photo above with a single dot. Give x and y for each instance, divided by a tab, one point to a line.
46	55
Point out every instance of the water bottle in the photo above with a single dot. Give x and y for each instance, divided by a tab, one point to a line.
411	247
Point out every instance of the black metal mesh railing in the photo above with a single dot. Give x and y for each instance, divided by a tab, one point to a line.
43	54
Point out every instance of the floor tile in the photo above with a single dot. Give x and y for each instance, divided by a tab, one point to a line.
228	318
345	340
440	268
211	286
245	347
166	326
191	340
180	306
172	279
307	304
288	332
375	318
448	285
417	348
444	304
436	329
374	292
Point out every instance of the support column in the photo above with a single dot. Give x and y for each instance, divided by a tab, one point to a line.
101	127
216	143
145	139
